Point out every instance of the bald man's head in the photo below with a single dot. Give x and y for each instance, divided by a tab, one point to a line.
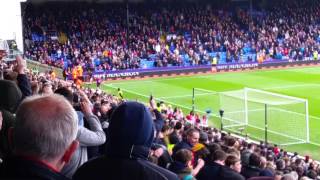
45	127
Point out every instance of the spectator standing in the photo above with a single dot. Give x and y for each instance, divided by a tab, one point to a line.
253	168
191	140
213	166
120	94
232	169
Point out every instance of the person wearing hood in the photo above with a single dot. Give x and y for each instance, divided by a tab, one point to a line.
131	133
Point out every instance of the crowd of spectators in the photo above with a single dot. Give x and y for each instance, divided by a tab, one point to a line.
54	129
95	36
90	134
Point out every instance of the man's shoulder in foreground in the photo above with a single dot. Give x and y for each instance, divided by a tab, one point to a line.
20	168
117	169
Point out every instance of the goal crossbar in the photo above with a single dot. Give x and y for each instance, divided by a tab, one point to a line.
246	89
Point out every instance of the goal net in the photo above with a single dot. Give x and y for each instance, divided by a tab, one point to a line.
206	103
280	119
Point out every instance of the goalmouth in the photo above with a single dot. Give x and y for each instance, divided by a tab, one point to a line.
268	116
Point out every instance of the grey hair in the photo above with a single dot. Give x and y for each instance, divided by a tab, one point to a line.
45	127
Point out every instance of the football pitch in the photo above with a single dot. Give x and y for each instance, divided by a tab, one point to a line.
297	82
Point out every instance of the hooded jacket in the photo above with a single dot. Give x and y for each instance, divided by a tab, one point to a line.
131	133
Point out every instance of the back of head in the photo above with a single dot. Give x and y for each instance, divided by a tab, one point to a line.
280	164
300	170
231	141
178	126
231	160
305	178
45	127
251	146
183	156
254	160
213	147
131	131
10	95
288	177
261	178
312	174
64	91
203	137
218	155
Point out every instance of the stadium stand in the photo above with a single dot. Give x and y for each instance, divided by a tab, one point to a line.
214	153
163	139
94	36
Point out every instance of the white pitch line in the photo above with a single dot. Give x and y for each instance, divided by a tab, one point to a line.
134	92
292	86
173	97
207	92
262	109
179	105
314	117
278	87
165	79
207	77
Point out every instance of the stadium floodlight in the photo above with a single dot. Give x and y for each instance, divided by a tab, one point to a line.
266	115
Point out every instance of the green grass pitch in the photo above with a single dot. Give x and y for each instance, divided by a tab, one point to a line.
297	82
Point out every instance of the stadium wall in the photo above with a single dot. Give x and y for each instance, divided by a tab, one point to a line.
190	70
155	72
180	71
265	65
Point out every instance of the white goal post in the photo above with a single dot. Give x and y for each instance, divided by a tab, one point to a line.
283	119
